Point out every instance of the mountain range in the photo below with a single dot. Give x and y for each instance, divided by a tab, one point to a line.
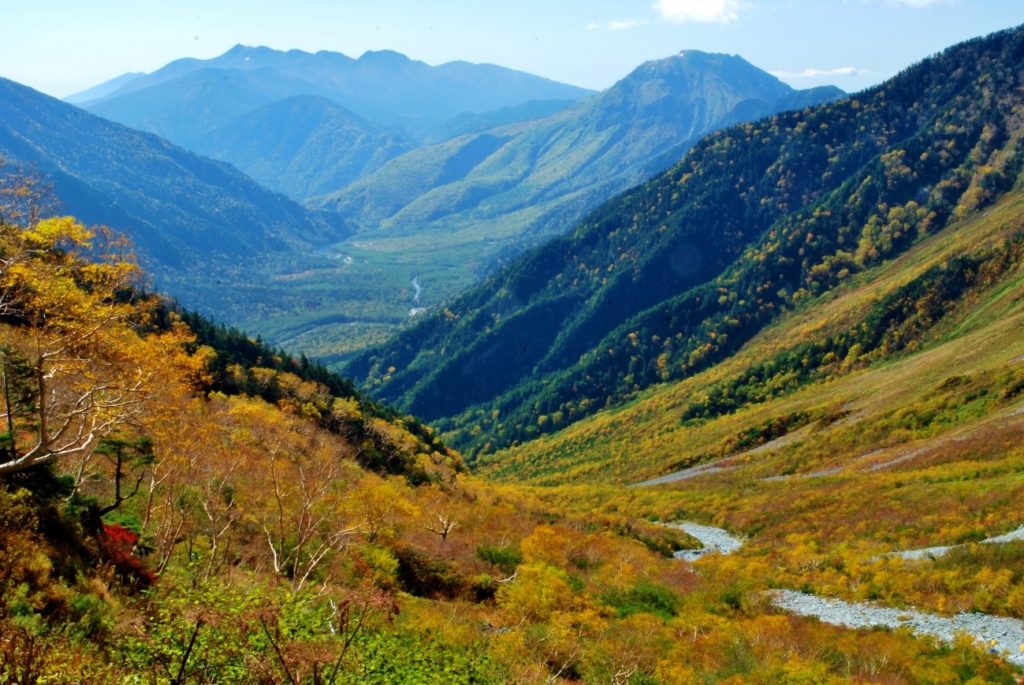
303	145
759	418
678	273
441	214
189	97
527	181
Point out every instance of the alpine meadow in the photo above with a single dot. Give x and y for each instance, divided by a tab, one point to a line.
319	369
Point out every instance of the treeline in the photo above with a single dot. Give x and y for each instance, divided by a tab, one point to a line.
898	322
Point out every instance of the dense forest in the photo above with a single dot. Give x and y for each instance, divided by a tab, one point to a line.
680	272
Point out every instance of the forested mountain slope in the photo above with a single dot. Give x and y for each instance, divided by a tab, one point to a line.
903	354
182	211
178	502
303	145
675	275
867	446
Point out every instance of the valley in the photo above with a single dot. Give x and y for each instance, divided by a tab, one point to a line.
451	374
320	128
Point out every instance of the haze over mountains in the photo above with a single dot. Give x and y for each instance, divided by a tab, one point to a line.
759	418
523	182
189	97
303	145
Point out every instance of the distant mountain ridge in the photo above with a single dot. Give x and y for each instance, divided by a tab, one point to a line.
445	213
303	145
104	89
385	87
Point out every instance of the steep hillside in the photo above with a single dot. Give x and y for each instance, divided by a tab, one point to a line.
383	87
866	446
181	504
821	384
186	109
679	273
183	212
519	183
468	123
302	145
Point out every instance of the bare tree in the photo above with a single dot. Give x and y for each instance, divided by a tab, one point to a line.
441	526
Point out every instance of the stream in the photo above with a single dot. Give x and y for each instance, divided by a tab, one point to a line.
932	552
715	541
417	290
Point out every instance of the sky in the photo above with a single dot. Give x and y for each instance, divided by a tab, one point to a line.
64	46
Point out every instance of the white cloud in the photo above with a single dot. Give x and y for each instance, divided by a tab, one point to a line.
625	24
914	4
815	73
617	24
681	11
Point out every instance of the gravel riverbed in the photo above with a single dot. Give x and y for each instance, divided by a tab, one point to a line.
999	634
715	541
1003	635
932	552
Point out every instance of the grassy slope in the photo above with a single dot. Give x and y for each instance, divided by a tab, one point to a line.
918	449
523	589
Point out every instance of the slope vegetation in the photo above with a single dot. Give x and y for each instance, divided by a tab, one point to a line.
303	145
886	472
180	504
183	212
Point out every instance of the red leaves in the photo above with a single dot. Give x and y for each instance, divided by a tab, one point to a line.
117	544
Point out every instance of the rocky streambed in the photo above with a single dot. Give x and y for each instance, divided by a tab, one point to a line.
999	634
714	541
932	552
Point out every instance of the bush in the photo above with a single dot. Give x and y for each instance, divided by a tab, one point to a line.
644	597
506	558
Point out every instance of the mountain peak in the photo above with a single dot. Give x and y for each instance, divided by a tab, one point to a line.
694	53
384	57
240	50
693	72
701	59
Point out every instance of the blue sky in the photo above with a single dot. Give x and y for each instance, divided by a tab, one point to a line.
63	46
